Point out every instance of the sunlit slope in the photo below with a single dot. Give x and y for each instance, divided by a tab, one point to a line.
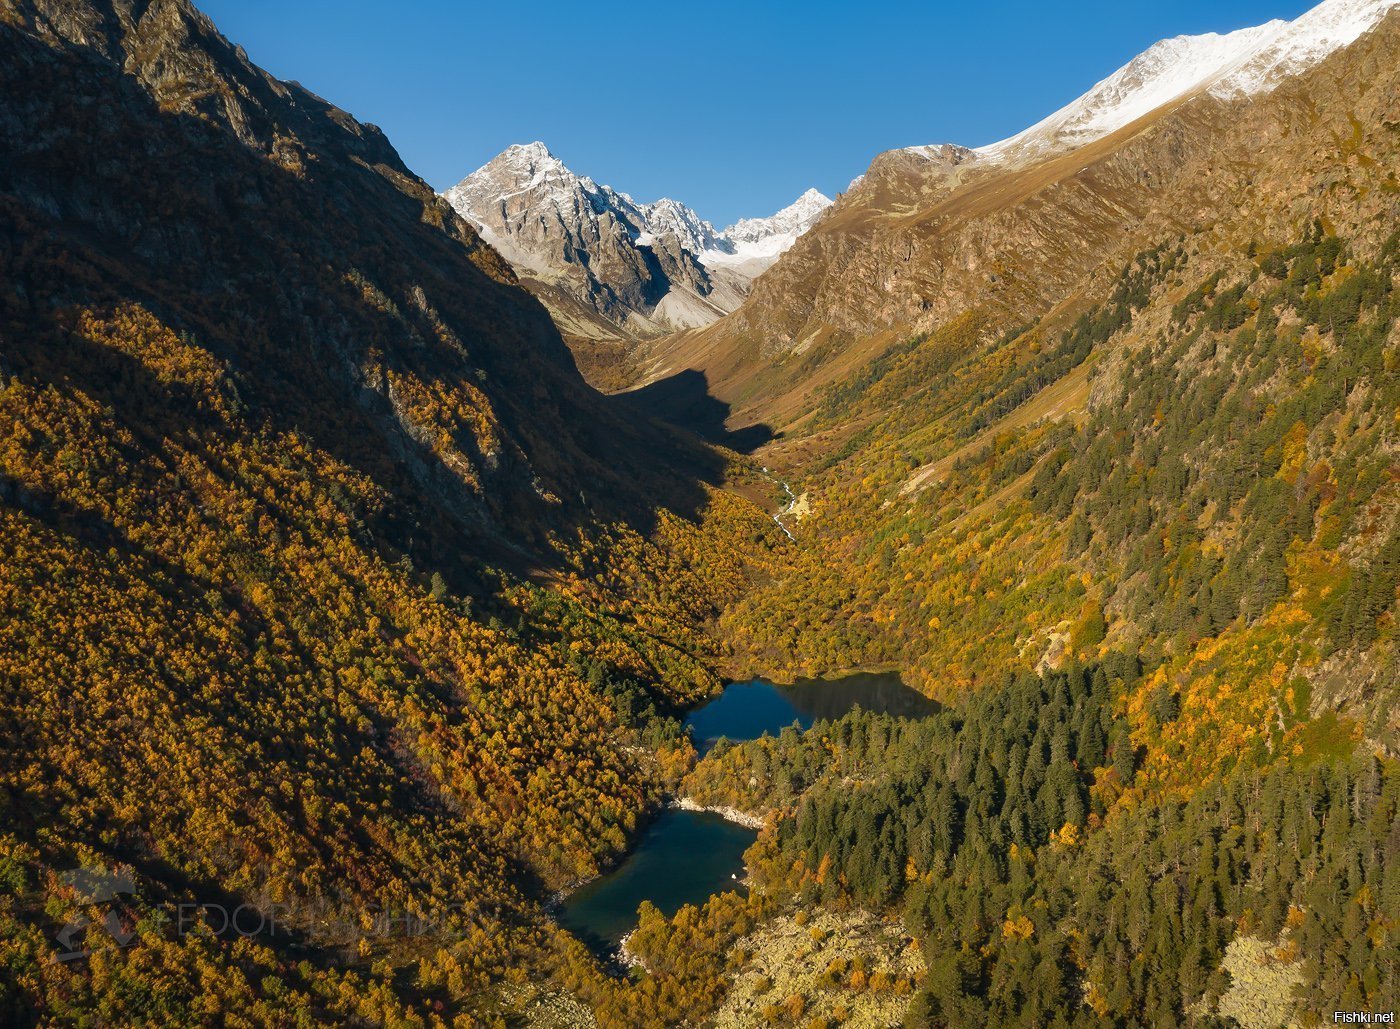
927	236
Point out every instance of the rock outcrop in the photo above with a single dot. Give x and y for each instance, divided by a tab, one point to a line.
609	266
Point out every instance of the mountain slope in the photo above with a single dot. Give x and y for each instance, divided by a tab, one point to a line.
1188	456
327	586
1153	524
1164	72
930	231
640	269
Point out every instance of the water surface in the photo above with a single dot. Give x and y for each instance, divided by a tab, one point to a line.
747	710
682	858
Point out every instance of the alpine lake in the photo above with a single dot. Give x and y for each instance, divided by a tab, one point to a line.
683	857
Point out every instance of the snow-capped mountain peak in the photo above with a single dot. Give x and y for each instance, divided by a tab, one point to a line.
760	241
530	165
642	265
1300	44
1165	71
1243	63
797	217
535	151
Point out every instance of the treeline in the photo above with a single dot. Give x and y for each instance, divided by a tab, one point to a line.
1238	414
1004	834
1131	292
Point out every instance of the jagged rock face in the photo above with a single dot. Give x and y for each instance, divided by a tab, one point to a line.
930	232
642	268
558	228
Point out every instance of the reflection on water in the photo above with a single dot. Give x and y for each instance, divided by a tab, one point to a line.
747	710
682	858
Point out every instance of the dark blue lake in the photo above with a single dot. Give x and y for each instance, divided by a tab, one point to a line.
682	858
747	710
686	856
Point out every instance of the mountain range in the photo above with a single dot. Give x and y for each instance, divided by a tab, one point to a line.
364	550
608	266
1177	135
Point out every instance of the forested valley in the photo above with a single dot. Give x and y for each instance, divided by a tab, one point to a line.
332	594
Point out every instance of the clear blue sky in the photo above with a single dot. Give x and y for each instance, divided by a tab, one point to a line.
731	107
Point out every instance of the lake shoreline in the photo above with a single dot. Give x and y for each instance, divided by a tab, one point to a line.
684	857
735	677
560	897
729	814
751	708
837	674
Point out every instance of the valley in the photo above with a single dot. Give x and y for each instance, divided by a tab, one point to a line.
468	582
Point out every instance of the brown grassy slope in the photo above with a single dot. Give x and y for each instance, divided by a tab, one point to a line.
921	241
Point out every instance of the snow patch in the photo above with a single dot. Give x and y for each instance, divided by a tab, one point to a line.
531	171
1238	64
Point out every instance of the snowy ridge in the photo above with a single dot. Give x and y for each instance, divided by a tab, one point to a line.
765	239
1164	72
1301	44
531	171
1238	64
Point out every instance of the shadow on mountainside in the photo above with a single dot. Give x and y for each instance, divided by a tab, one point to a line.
685	400
343	314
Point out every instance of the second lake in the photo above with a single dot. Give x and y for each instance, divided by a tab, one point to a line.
682	858
747	710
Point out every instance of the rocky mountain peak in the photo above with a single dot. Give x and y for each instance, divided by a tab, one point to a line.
646	268
668	217
536	151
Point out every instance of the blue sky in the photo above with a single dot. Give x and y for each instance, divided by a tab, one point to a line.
731	107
